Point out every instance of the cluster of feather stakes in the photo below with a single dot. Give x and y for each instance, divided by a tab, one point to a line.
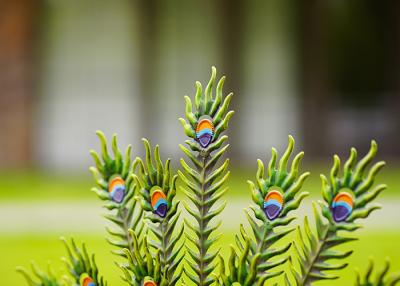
140	197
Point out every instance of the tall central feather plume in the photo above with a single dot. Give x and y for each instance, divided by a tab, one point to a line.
203	182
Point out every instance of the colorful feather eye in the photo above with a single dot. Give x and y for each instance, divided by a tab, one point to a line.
116	188
273	204
204	131
342	206
159	203
148	282
86	280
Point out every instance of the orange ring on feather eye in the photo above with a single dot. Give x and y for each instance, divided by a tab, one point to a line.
346	197
115	181
275	195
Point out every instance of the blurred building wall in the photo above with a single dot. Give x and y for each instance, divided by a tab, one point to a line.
88	80
97	73
268	109
349	76
325	72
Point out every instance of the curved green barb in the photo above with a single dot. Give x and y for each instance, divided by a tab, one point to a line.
256	251
79	264
381	277
315	251
127	214
156	177
39	277
203	182
241	272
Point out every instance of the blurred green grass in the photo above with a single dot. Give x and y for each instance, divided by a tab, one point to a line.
20	249
48	186
33	186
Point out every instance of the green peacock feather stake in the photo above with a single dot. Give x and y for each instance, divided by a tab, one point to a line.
203	183
158	190
116	186
81	267
346	199
381	278
39	277
142	268
275	196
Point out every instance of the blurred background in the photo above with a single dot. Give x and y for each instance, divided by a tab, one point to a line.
327	72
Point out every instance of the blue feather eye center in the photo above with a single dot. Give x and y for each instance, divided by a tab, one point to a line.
273	204
205	131
116	188
342	206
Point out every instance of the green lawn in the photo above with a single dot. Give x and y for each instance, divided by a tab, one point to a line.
19	250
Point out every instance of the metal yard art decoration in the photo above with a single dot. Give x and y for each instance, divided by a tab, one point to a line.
155	245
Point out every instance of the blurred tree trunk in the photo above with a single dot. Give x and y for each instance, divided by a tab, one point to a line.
313	78
395	100
231	16
147	16
17	19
